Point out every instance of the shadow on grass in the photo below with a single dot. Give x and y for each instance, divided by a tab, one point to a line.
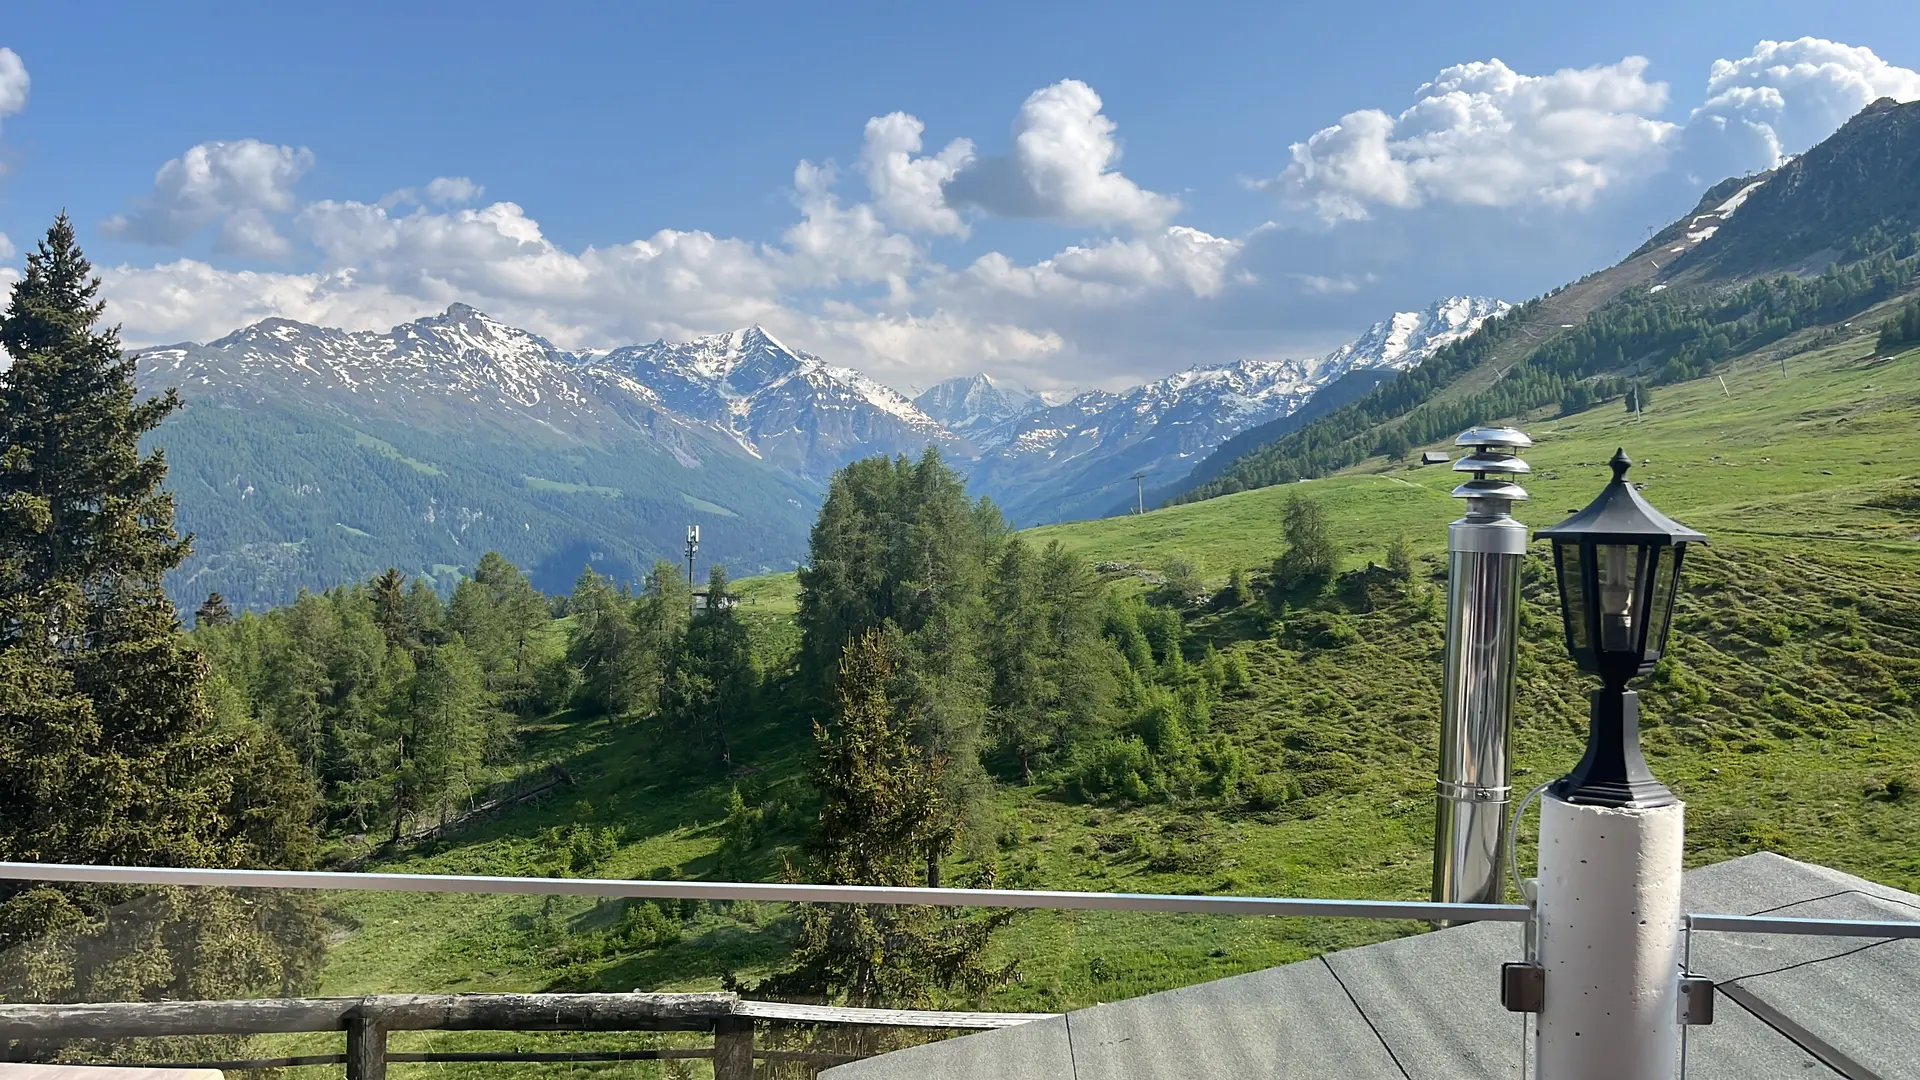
718	949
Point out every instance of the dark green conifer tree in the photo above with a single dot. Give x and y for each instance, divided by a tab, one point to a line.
710	681
109	748
1017	652
390	607
1902	331
213	611
881	822
604	646
899	548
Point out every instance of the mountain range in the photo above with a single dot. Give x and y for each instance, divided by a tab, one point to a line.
1079	458
307	455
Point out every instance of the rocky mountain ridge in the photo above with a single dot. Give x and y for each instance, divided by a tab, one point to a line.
1077	459
308	455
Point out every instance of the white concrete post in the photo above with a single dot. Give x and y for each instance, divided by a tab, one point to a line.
1609	925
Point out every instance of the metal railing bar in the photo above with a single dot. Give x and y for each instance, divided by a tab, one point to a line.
1772	924
772	892
874	894
835	1014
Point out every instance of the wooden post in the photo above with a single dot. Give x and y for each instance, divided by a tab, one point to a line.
733	1049
366	1049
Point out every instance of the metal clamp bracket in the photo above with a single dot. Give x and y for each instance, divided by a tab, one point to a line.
1696	1000
1523	987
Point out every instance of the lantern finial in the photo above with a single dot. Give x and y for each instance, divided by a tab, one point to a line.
1621	463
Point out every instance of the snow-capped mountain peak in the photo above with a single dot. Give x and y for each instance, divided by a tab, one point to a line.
974	404
1406	338
1061	461
459	356
1040	457
776	401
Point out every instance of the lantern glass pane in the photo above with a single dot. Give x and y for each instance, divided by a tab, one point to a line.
1666	580
1573	594
1619	572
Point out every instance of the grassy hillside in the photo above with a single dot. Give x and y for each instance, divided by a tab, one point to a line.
1815	452
1787	722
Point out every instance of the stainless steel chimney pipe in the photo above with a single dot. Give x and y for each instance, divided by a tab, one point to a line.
1485	550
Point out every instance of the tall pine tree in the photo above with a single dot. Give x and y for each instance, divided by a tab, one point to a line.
882	821
109	749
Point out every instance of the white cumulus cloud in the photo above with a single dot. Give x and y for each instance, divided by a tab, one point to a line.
1483	134
851	277
238	184
1061	168
1176	258
920	349
832	243
1782	98
378	267
453	190
13	83
908	190
189	300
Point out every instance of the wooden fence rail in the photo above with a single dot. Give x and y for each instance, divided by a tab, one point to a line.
368	1020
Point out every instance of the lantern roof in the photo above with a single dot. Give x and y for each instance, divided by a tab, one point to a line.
1621	516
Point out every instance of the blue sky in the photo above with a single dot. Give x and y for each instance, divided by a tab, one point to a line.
1194	183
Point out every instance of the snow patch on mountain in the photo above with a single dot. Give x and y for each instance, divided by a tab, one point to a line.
461	355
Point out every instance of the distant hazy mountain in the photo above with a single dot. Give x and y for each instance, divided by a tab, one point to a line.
973	406
1388	347
1077	459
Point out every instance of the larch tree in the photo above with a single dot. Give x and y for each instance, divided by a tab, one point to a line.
604	645
1309	559
390	607
109	748
898	548
498	613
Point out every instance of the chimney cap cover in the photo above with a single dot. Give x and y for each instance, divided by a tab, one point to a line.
1510	438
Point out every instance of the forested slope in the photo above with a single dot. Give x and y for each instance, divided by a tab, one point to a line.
281	497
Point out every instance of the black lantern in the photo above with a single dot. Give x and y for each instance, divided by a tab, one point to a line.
1618	563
